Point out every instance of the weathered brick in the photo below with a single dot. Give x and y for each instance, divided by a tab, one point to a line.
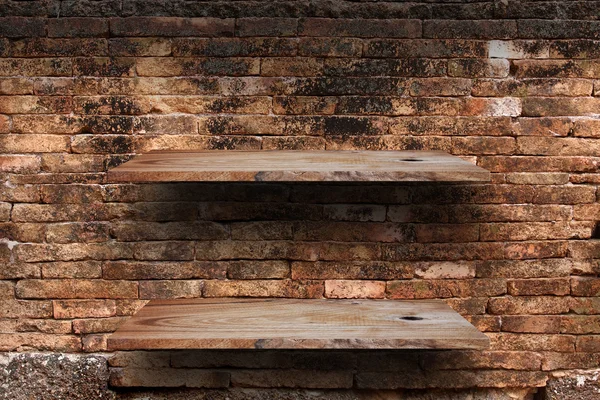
555	361
556	68
20	164
585	286
16	86
579	48
580	324
275	269
534	268
299	66
104	66
351	270
34	143
266	27
35	105
77	27
168	377
477	68
538	178
532	342
293	378
15	27
588	344
263	288
140	231
531	323
533	305
40	342
67	309
518	49
535	231
330	47
409	67
539	164
537	287
455	360
427	289
35	325
490	29
36	67
88	232
63	47
36	252
165	26
557	29
547	87
80	269
160	66
170	289
75	289
139	47
164	250
360	28
353	289
424	48
223	250
25	309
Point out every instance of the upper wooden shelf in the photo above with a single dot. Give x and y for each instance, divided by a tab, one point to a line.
298	166
237	323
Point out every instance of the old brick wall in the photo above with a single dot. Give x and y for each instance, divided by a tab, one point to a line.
84	85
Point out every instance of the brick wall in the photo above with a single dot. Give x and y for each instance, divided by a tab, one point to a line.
85	85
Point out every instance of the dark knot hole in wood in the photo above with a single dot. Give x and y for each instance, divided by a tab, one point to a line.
410	159
411	318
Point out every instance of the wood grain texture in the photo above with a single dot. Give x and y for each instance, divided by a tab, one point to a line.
298	166
238	323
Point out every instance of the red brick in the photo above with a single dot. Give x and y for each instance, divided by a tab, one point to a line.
34	143
534	268
348	289
585	305
541	164
170	289
351	270
535	231
469	126
163	270
164	250
80	270
397	28
533	305
16	86
94	343
584	249
532	342
531	323
72	251
429	289
40	342
588	344
580	324
562	361
536	287
263	288
565	194
77	27
67	309
585	286
224	250
537	178
20	164
169	26
36	67
75	289
558	146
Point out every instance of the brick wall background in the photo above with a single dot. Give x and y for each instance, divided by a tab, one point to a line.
84	85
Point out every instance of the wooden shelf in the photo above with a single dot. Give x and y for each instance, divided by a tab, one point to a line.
236	323
298	166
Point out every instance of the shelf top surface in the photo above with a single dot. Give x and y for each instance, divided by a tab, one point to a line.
241	323
297	166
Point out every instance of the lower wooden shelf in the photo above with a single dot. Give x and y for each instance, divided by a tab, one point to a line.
241	323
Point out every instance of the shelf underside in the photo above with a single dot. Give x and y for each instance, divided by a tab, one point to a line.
238	323
298	166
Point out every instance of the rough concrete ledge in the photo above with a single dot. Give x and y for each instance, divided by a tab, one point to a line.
574	385
26	376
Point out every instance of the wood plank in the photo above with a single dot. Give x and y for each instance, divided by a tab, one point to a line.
298	166
242	323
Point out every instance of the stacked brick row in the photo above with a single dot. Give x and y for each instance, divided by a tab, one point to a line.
86	85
